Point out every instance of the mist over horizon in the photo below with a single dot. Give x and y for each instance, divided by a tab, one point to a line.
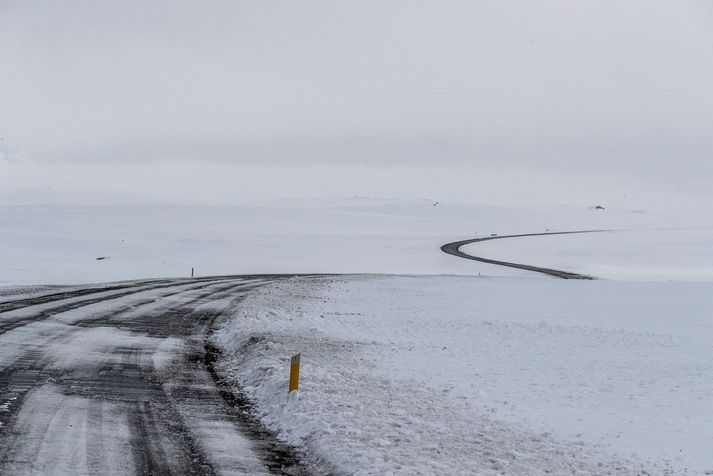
471	101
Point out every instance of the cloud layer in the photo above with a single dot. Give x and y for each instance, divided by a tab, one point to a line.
556	85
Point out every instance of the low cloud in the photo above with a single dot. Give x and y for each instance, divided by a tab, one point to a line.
603	87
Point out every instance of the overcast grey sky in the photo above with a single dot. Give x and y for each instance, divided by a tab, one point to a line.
563	86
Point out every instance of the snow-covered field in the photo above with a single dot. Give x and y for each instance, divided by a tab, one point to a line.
423	362
483	375
60	244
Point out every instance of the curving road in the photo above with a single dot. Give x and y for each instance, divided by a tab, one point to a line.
454	249
120	380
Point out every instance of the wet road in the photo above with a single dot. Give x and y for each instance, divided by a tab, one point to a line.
120	380
454	249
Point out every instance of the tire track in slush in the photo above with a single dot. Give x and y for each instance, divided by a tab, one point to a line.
164	439
15	304
7	325
31	368
454	249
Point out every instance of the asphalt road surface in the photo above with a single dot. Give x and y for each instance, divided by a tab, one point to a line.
120	380
454	249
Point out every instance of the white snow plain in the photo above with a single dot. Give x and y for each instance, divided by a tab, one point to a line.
60	244
504	373
482	375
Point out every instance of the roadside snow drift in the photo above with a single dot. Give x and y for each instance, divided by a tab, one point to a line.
447	375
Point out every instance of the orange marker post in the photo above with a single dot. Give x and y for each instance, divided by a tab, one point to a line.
294	373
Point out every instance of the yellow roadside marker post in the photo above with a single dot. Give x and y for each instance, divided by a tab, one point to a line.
294	373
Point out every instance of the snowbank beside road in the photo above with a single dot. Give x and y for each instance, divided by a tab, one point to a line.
445	375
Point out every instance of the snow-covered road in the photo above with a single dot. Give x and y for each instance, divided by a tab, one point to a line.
119	379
